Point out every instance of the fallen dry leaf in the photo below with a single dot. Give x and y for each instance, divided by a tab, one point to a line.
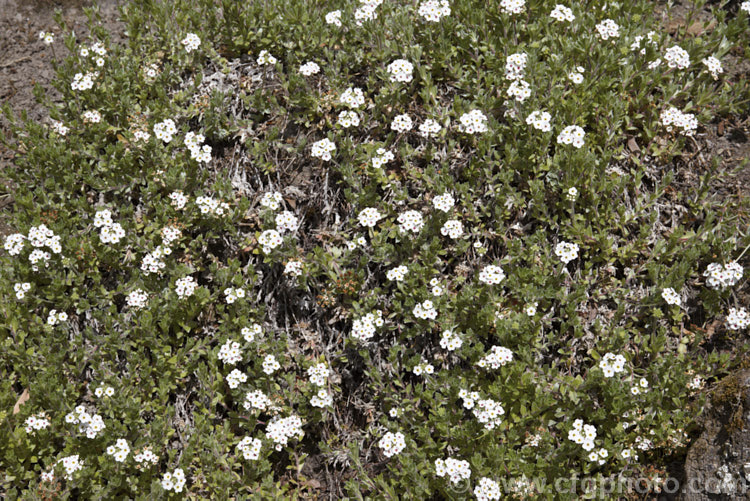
21	400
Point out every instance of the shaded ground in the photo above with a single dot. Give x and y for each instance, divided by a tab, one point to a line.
25	60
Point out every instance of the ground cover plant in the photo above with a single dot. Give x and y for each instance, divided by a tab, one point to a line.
387	250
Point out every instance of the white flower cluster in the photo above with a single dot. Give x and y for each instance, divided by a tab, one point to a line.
456	469
562	13
643	444
14	244
83	81
309	68
515	65
137	299
59	128
41	236
270	365
651	39
230	352
696	383
571	134
102	390
641	387
369	217
452	228
71	464
382	157
713	66
512	6
540	120
411	221
400	70
423	368
429	128
365	327
153	262
233	294
487	490
146	456
91	117
141	135
434	10
576	76
722	276
191	42
469	398
671	297
612	364
318	374
738	319
566	251
599	456
608	29
256	400
249	333
120	450
498	357
572	194
685	121
366	11
21	289
53	318
280	430
209	205
583	434
271	200
198	151
110	232
352	97
392	443
425	310
491	275
236	377
402	123
398	273
174	481
322	149
334	17
444	202
270	239
473	122
745	6
87	423
488	412
293	268
677	57
185	287
520	90
36	422
286	221
165	130
450	340
322	399
250	448
178	200
47	38
348	118
265	58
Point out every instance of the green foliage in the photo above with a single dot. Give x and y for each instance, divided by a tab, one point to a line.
638	231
